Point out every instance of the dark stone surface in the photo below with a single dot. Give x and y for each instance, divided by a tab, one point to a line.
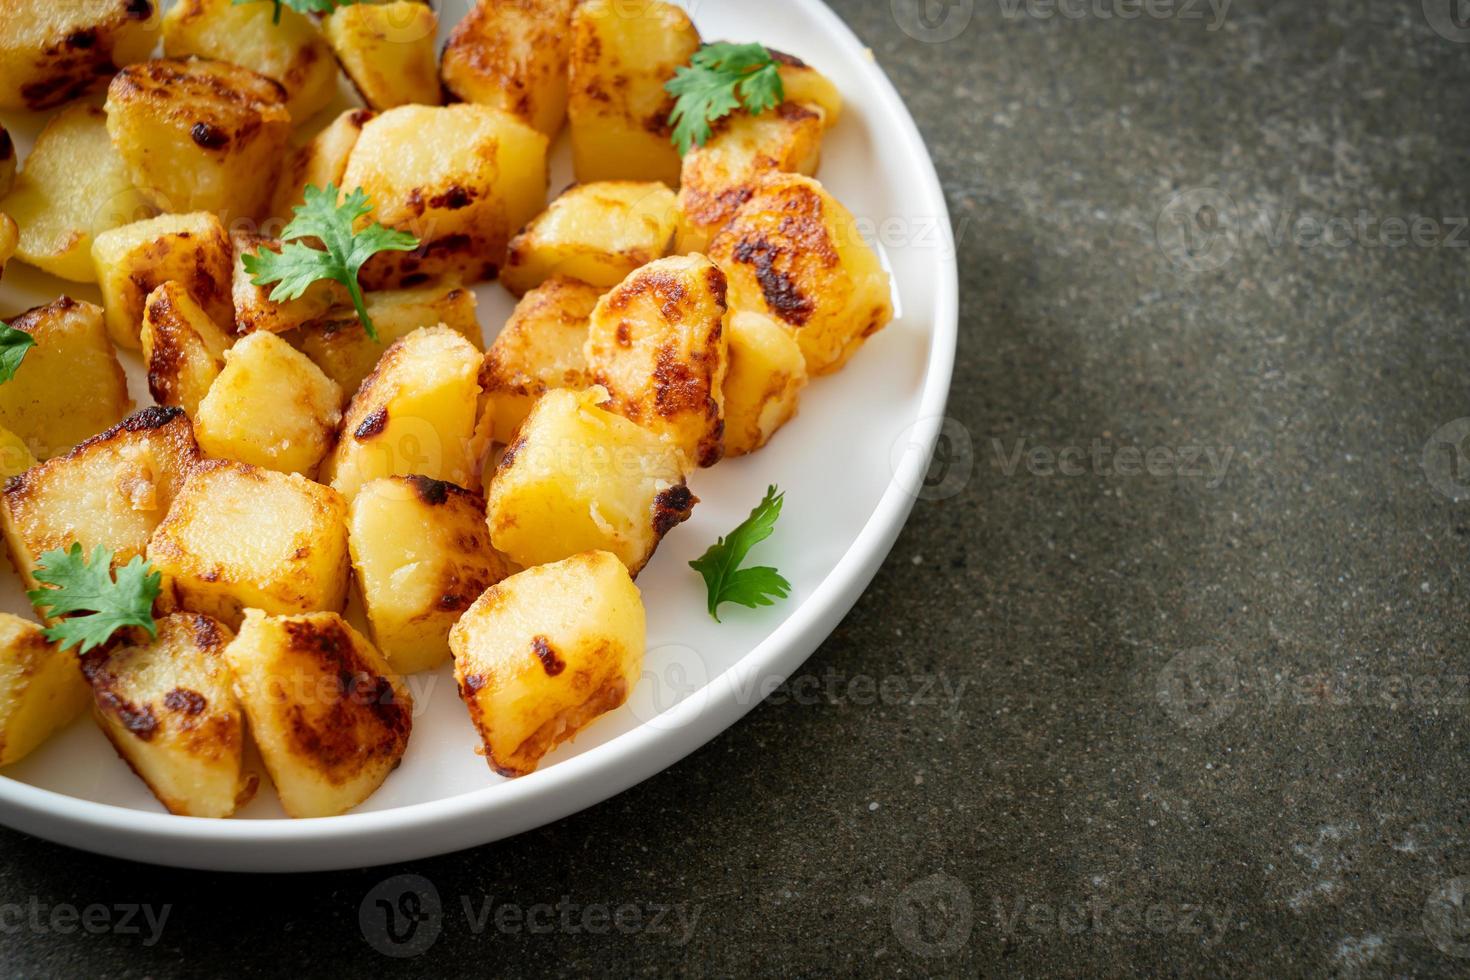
1187	723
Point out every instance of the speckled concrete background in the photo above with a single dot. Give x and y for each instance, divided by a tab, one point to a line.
1175	658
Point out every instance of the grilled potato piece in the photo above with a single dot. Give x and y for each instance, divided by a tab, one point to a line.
270	407
463	178
598	233
41	690
7	162
331	718
112	490
320	161
199	135
73	186
52	52
546	651
279	44
421	553
657	343
387	50
168	706
15	455
255	310
804	85
579	478
70	385
136	259
416	413
343	350
183	349
512	54
717	177
763	385
539	348
795	253
9	239
237	536
619	112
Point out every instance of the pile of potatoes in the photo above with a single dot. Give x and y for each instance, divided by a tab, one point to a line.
488	506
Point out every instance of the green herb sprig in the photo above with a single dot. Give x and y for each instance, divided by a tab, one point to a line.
110	603
13	346
720	565
719	79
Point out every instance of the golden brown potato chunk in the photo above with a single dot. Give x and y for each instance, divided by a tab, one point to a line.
255	310
387	50
320	161
41	690
763	385
803	84
53	51
183	349
9	238
512	54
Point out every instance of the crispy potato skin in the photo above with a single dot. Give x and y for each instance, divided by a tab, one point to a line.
387	50
255	310
168	706
544	652
320	161
53	52
804	85
657	343
764	383
183	349
41	690
513	54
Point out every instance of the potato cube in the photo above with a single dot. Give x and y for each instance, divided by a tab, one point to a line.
321	161
279	43
73	187
112	490
763	385
539	348
329	714
136	259
387	50
622	56
512	54
657	343
343	350
463	178
9	239
546	651
421	553
168	706
793	252
52	52
598	233
579	478
41	689
804	85
239	536
183	349
70	385
199	135
416	413
15	455
255	310
270	407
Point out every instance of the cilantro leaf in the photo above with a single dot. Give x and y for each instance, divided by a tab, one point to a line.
720	565
301	6
297	265
90	588
719	79
13	346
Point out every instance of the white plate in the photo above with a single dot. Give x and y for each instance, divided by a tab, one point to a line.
850	465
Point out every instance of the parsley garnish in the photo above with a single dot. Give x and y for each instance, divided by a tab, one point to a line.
719	79
301	6
720	565
296	266
90	588
13	346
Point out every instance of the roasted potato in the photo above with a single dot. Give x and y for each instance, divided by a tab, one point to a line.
136	259
270	407
543	653
9	239
320	161
7	162
15	455
238	536
598	233
793	252
52	51
463	178
343	350
657	343
804	85
717	177
387	50
255	310
70	385
579	478
512	54
278	43
199	135
183	349
421	554
763	385
330	716
416	413
112	490
616	104
539	348
73	186
41	690
168	706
